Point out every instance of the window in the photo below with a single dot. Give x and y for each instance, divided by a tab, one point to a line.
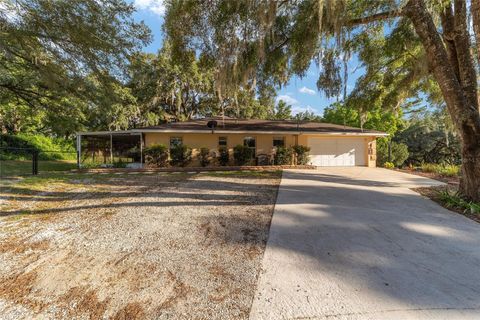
222	142
278	142
250	142
175	141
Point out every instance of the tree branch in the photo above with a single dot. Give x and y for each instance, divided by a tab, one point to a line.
375	17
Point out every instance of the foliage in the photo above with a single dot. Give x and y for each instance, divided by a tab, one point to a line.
444	170
375	119
223	157
308	116
399	152
282	111
283	156
411	51
301	153
205	157
156	155
119	164
242	155
51	50
389	165
48	148
180	155
455	200
430	139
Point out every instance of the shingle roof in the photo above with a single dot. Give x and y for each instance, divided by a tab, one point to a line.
245	125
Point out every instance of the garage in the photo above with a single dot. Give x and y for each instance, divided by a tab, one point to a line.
337	152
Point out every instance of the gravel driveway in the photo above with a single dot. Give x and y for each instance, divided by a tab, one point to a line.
163	246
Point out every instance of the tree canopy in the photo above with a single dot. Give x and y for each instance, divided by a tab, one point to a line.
410	50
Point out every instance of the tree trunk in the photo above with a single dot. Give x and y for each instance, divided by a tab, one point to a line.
475	8
461	100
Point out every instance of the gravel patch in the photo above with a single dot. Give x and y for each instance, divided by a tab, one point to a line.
141	246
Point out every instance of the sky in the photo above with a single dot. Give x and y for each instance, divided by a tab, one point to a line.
300	93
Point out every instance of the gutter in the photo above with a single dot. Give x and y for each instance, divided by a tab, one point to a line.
139	131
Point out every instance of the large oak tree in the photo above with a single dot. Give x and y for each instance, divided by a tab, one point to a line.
270	40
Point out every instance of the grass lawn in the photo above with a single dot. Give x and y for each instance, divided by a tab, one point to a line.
24	167
133	245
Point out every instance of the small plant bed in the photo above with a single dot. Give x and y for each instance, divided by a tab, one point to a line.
201	169
446	173
448	197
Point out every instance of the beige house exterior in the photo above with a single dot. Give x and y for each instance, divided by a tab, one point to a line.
330	144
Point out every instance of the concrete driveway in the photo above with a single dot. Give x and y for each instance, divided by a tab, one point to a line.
357	243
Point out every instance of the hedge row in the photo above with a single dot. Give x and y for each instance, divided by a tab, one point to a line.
160	155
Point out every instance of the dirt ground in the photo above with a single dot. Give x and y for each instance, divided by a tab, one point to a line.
133	246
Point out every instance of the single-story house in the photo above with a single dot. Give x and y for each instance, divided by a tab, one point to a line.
330	144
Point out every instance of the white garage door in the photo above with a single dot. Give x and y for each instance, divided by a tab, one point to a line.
335	152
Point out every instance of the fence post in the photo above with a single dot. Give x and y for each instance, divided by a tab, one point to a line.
35	162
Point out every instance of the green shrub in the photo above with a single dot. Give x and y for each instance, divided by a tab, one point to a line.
156	155
49	148
429	167
283	156
242	155
449	170
399	152
205	157
444	170
389	165
180	155
301	153
455	200
119	164
223	157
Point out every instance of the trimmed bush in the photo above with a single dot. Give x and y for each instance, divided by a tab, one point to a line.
301	153
180	155
156	155
205	157
242	155
223	157
399	152
283	156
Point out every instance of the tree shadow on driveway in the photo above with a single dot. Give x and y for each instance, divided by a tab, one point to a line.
365	245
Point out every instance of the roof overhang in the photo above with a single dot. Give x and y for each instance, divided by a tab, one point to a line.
141	131
104	133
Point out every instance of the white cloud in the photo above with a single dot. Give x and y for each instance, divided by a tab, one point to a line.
287	99
307	91
296	110
155	6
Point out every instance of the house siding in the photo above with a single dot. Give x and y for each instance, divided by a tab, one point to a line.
264	142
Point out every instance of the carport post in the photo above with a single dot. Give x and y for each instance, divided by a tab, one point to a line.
79	149
111	148
141	149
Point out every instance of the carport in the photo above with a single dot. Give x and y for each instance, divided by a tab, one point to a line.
110	148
